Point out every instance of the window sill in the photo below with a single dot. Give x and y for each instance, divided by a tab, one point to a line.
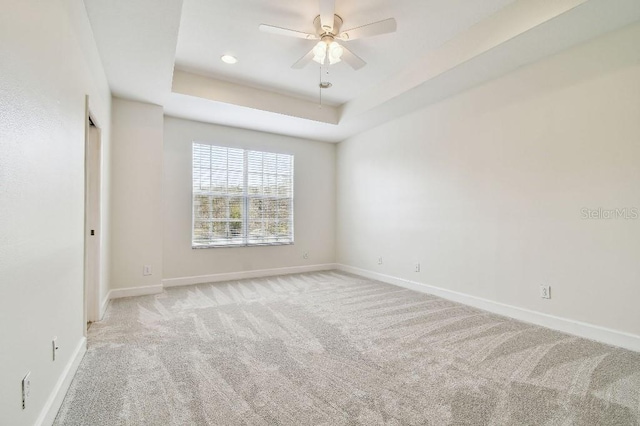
215	246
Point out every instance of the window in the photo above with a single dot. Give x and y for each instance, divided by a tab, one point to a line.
241	197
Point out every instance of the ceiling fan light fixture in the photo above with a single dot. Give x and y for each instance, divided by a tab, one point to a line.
320	52
228	59
335	53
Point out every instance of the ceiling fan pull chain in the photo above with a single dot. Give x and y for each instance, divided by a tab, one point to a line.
320	86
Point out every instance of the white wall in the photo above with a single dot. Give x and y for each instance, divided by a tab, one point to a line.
485	190
137	132
314	203
49	63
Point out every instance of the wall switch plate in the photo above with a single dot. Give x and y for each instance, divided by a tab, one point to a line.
380	261
417	267
146	270
545	291
54	347
305	255
26	389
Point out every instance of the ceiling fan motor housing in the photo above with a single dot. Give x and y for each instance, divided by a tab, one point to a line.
337	24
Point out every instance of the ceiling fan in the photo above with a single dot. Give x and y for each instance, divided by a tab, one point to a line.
328	25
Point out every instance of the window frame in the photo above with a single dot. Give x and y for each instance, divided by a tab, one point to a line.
246	199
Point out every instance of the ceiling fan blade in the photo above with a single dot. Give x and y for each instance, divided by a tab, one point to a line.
304	61
376	28
327	10
352	59
287	32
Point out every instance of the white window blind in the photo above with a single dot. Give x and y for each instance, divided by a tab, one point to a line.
241	197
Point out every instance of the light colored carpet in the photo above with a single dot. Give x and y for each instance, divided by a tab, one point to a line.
335	349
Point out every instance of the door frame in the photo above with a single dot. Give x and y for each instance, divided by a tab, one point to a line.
92	219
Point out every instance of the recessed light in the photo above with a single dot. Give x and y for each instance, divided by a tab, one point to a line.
228	59
325	85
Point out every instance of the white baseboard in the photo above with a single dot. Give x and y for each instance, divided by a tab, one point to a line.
51	407
577	328
230	276
117	293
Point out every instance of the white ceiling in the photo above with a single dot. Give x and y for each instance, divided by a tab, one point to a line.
210	29
136	40
441	48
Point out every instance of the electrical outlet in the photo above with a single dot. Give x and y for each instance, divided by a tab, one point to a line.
417	267
146	270
54	347
305	255
26	389
545	291
380	261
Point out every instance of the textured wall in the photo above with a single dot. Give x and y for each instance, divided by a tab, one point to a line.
49	63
